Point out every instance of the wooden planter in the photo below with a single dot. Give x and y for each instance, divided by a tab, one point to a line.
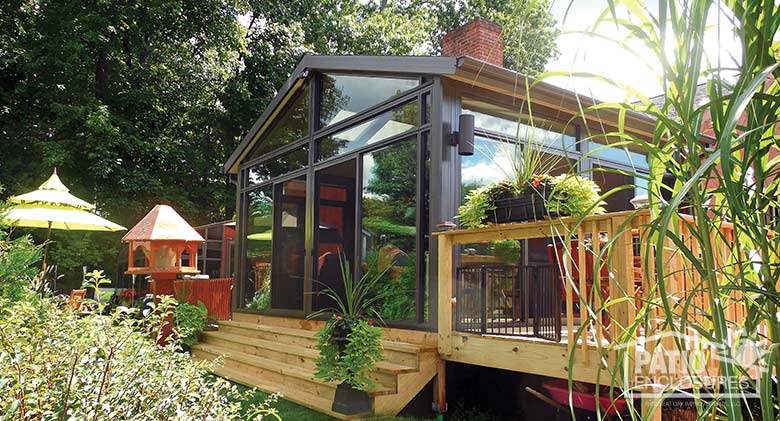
528	206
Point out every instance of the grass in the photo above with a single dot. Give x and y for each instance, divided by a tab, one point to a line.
290	411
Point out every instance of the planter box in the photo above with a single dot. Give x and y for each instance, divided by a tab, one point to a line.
529	206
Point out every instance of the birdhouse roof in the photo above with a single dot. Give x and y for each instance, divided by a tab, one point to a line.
163	223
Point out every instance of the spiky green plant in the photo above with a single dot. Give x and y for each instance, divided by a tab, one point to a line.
724	174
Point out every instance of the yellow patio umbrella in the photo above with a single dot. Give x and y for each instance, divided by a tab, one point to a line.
53	207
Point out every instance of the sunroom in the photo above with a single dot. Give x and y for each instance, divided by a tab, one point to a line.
358	158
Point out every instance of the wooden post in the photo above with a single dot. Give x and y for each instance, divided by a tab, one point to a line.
440	387
623	284
652	409
445	294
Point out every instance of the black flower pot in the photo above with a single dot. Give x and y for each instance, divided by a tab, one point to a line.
527	206
350	401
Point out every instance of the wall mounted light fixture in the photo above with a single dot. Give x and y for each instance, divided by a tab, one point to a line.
464	137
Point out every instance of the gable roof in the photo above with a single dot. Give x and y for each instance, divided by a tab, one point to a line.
465	69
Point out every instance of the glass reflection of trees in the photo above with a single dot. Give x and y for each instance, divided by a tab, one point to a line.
346	95
389	225
292	125
257	291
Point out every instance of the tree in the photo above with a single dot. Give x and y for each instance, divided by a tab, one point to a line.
139	103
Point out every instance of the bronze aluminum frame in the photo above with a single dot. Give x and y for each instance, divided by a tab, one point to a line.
423	130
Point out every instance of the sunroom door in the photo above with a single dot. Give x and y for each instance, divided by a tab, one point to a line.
289	246
334	233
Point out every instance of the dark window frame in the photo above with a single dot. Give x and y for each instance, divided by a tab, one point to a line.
424	129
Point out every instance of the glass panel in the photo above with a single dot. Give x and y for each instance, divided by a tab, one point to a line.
214	250
289	244
515	125
259	229
427	105
424	225
280	165
386	125
618	154
608	179
389	233
215	232
335	231
291	125
344	96
485	167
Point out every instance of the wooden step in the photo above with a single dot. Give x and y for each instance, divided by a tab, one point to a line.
294	353
400	353
293	395
238	360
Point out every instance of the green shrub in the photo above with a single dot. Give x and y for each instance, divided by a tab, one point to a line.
188	321
260	301
55	365
18	259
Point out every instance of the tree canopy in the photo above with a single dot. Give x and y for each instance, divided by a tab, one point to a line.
137	103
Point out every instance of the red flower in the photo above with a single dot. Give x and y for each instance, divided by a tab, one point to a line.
370	323
536	183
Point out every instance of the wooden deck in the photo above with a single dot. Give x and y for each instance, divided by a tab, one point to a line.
585	350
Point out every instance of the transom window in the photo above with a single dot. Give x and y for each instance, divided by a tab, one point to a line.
291	125
384	126
346	95
515	125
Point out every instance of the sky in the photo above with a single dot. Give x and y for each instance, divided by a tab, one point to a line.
580	53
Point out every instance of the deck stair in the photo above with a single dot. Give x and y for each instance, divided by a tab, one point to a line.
277	355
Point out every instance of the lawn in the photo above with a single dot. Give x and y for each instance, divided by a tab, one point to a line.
290	411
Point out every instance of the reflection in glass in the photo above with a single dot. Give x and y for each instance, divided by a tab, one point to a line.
488	165
396	121
515	125
389	233
289	244
291	125
335	231
280	165
257	290
618	154
344	96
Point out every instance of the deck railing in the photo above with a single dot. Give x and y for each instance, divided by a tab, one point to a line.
508	300
608	261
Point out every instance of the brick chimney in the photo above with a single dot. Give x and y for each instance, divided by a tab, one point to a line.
480	39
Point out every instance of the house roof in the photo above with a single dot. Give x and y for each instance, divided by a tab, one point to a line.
465	69
162	223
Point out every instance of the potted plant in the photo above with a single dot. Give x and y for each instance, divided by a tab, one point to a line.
349	343
531	199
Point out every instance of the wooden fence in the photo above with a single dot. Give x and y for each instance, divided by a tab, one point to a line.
214	293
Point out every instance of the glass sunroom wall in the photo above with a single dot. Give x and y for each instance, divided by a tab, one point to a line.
343	96
256	291
376	127
389	226
501	132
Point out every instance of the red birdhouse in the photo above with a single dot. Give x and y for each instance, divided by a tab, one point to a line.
162	245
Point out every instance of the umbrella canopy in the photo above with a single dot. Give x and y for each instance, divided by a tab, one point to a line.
52	192
60	218
53	207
